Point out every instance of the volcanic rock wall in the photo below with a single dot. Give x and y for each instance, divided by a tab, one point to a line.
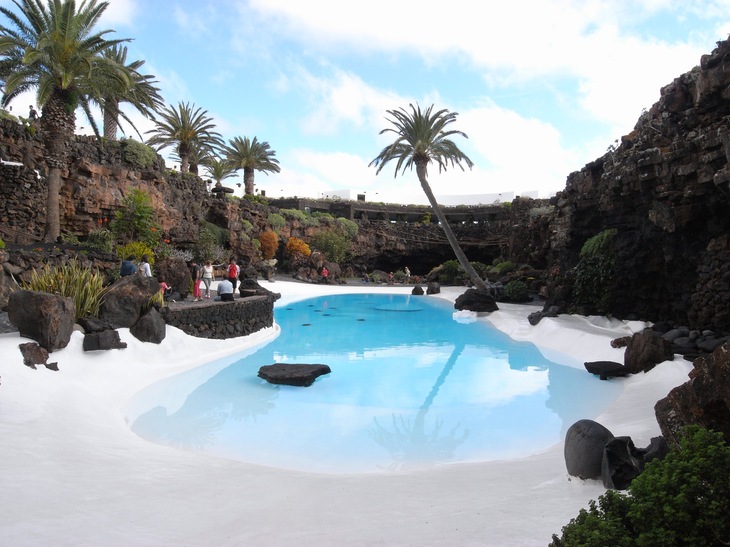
665	189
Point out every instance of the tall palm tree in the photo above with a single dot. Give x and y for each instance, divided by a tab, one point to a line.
198	155
140	92
251	155
53	47
422	138
185	127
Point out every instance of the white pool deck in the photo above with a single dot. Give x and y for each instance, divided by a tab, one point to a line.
72	472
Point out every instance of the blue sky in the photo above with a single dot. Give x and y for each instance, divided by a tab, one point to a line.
541	87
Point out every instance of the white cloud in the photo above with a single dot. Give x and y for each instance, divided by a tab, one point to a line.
119	12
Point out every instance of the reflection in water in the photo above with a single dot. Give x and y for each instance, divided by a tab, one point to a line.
409	388
409	443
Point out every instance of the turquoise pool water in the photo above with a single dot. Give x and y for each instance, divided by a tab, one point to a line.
410	388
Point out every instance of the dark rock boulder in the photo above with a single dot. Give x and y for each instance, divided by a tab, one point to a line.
476	300
535	317
151	327
606	369
292	375
645	350
177	275
103	340
93	324
126	299
33	355
46	318
704	400
417	291
621	463
583	450
433	287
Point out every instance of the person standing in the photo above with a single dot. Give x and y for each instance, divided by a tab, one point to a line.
233	271
207	277
196	273
32	114
144	267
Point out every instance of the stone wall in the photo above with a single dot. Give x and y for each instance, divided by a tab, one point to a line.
222	320
97	178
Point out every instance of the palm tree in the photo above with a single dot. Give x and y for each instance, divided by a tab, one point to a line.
251	155
53	48
140	92
185	127
422	138
218	169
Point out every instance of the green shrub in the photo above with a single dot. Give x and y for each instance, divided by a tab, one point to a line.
321	214
332	243
2	243
138	154
247	226
206	247
222	236
504	267
681	500
453	274
135	220
82	284
100	239
595	272
70	239
516	291
136	249
256	199
310	222
276	221
348	226
293	214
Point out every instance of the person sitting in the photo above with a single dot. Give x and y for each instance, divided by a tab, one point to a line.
225	291
128	267
165	289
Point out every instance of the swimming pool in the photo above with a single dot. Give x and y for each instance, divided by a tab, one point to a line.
411	388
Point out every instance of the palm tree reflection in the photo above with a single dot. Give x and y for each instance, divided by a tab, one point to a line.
409	444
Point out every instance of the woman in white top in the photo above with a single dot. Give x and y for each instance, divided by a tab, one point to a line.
207	277
144	267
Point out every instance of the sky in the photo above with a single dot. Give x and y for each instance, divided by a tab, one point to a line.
541	87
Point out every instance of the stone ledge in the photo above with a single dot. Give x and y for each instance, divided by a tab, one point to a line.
222	320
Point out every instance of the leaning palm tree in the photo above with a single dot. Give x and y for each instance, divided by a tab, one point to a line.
184	127
251	155
422	138
53	47
140	93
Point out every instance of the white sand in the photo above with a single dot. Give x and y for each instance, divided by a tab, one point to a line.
74	474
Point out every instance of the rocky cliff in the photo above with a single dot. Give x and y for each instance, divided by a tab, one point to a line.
665	190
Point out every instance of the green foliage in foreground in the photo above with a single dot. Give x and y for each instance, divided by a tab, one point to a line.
2	243
681	500
83	285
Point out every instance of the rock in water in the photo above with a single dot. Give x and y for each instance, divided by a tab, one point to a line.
292	375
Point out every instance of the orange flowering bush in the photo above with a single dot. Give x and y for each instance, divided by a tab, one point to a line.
297	247
269	243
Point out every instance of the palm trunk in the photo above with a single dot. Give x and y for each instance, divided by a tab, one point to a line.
58	129
448	232
111	121
184	164
248	180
